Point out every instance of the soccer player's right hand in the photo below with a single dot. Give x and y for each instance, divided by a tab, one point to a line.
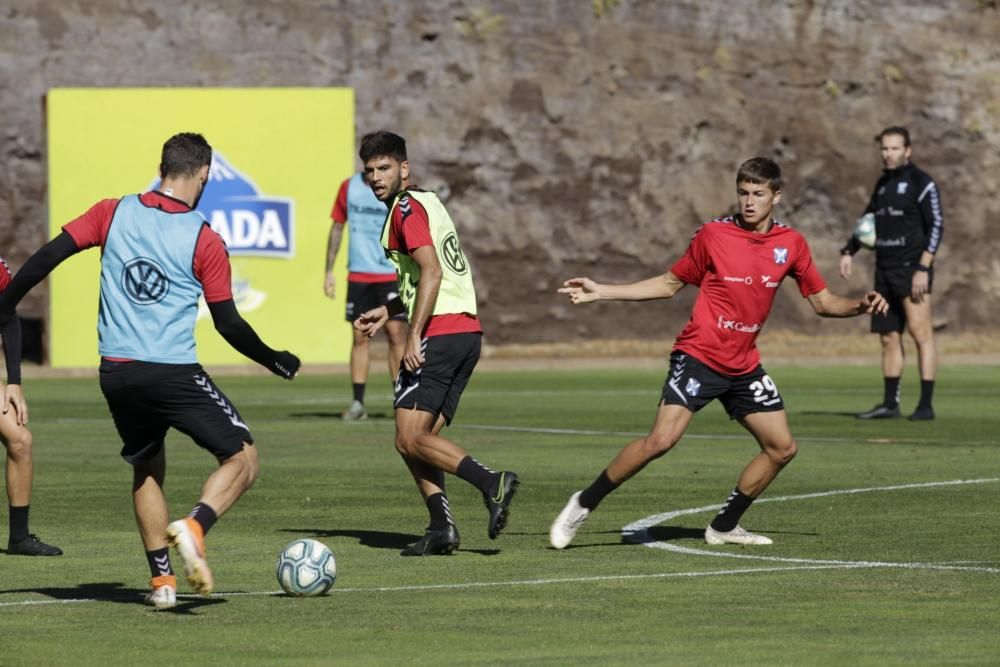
286	365
371	321
330	285
580	290
13	398
875	303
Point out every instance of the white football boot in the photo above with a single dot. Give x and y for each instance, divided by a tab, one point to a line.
164	592
735	536
566	524
355	413
185	535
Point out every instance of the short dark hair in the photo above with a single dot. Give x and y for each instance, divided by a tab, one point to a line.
760	170
898	130
382	144
184	154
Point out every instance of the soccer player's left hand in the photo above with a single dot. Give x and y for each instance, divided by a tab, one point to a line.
286	365
413	354
920	286
13	398
875	303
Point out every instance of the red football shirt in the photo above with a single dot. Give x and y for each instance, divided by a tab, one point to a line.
211	260
5	276
339	212
409	231
738	273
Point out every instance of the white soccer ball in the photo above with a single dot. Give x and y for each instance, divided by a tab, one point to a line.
864	230
306	568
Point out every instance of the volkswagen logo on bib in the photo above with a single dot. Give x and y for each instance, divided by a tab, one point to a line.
144	281
453	255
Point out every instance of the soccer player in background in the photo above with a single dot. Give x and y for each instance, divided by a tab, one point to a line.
16	438
442	345
737	263
158	255
908	226
371	280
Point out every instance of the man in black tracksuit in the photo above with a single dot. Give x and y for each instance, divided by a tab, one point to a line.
908	225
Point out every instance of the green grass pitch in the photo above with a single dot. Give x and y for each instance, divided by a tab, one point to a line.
880	576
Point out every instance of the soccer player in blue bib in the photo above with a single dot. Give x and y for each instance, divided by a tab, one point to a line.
158	257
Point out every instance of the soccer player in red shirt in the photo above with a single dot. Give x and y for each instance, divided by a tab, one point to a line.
738	263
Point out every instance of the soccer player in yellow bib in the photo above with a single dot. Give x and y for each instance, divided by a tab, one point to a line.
442	345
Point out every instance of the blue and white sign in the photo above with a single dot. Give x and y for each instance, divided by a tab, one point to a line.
249	222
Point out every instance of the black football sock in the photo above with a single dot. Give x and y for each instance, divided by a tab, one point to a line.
159	562
594	494
890	397
359	392
729	516
18	523
437	506
205	516
926	393
476	474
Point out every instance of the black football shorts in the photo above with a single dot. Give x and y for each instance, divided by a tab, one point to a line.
362	297
436	386
895	285
694	385
146	399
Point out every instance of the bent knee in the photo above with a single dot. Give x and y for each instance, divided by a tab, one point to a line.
19	446
656	445
248	462
784	453
406	445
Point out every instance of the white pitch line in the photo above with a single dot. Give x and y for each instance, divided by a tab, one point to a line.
640	434
503	428
638	531
467	585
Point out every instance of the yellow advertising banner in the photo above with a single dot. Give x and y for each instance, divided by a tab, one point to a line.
279	157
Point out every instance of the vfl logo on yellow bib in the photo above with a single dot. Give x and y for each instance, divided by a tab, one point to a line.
453	255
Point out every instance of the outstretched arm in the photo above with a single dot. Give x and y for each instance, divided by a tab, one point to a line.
827	304
585	290
238	333
38	266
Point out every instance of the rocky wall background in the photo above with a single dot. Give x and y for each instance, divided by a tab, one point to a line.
577	137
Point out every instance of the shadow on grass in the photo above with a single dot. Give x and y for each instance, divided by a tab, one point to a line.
671	533
579	543
377	539
318	414
115	592
828	413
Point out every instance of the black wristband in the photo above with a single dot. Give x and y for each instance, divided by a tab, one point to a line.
921	267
